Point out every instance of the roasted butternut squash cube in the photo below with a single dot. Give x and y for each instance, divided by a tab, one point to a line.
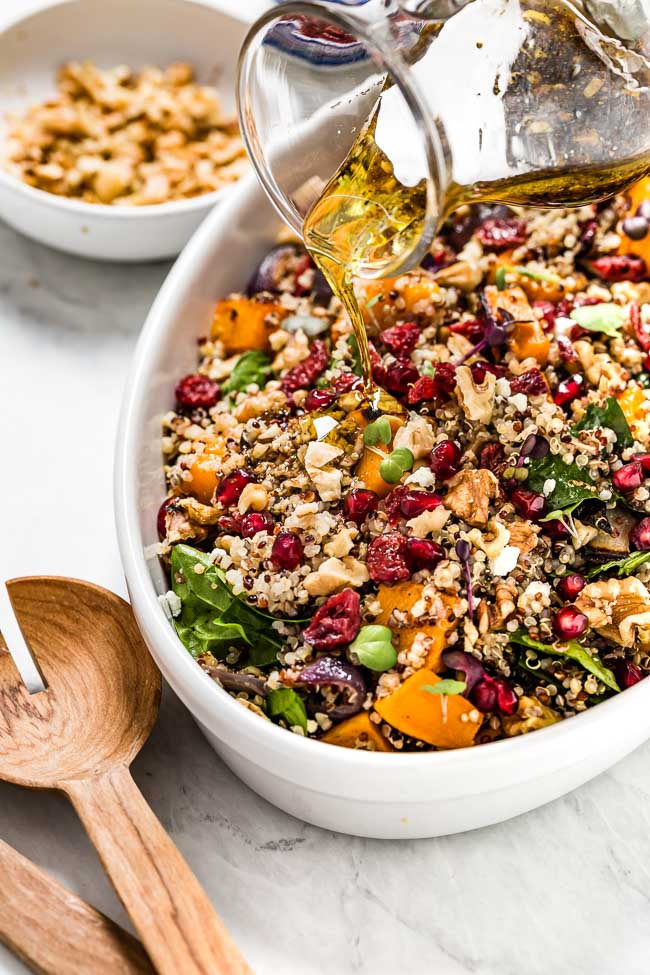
439	719
242	324
358	732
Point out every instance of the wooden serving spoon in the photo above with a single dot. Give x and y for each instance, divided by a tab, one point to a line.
80	736
55	932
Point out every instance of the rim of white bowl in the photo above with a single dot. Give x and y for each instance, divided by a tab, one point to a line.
210	695
108	210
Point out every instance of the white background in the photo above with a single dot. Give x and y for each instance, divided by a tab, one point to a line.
565	889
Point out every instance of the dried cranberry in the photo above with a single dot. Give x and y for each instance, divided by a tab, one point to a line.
501	234
507	701
620	267
232	486
628	477
548	313
473	329
401	339
484	695
640	535
414	503
386	559
422	553
627	673
399	377
532	383
161	518
336	623
254	522
445	376
445	459
345	382
569	587
196	391
566	349
359	504
392	504
287	550
640	329
319	399
230	524
423	390
528	504
306	372
493	458
568	390
587	238
569	623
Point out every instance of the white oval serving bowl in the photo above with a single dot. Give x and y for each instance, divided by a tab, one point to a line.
378	795
132	32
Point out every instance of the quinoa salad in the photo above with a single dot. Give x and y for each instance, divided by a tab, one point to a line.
468	560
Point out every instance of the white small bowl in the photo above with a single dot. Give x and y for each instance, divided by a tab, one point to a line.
378	795
110	32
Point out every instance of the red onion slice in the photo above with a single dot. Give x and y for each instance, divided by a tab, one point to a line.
339	674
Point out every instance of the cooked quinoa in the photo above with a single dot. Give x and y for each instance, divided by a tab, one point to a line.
469	562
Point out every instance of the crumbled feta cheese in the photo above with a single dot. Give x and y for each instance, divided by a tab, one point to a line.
549	486
505	561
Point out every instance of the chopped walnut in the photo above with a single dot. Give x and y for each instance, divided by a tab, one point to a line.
476	399
335	574
523	535
619	609
469	495
269	400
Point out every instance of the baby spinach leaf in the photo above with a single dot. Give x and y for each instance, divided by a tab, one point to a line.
285	703
573	651
572	483
212	617
607	318
446	687
611	416
623	567
251	367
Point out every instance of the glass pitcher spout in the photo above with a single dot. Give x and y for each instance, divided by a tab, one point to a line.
385	121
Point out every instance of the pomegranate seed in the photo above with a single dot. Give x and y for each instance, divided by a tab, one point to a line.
557	531
413	503
644	460
507	701
232	486
484	695
196	391
569	587
161	518
386	559
319	399
422	553
287	550
307	371
493	458
346	382
640	535
528	504
480	368
620	267
336	623
568	390
532	383
569	623
401	339
359	504
627	673
628	477
501	234
445	459
254	522
399	377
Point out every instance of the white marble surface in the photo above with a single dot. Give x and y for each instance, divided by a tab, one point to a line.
564	889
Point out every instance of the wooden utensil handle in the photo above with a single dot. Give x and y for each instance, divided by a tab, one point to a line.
56	933
176	921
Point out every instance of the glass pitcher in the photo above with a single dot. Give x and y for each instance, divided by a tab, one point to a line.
516	101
